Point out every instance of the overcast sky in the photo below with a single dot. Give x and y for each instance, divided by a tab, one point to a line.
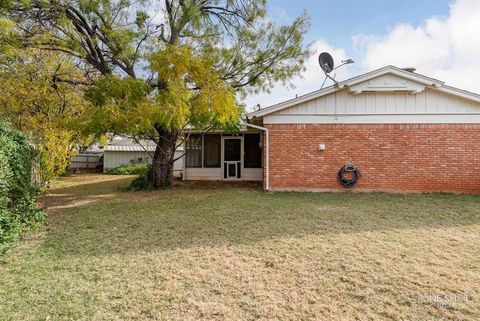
438	37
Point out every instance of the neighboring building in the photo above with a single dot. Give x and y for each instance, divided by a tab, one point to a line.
404	132
126	151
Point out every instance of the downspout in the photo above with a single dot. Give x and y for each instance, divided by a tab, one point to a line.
184	160
267	179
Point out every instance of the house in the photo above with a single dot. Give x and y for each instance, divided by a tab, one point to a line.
125	151
403	132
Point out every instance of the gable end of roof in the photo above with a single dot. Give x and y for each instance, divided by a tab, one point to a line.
408	75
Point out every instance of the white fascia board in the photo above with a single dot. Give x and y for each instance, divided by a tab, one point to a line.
243	129
374	119
292	102
394	71
459	93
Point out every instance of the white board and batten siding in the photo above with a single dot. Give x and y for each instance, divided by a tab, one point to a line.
341	107
386	99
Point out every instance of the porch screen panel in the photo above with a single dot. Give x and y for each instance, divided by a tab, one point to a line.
253	152
194	151
211	150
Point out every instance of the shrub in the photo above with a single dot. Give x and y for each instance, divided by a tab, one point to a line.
127	170
54	151
18	211
140	183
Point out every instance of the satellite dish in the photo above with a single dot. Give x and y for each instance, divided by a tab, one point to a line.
326	62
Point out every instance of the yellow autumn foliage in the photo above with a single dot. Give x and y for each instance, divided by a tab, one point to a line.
45	110
189	93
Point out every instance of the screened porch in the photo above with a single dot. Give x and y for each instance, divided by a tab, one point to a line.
221	156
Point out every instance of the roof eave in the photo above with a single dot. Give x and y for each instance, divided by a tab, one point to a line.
291	102
358	79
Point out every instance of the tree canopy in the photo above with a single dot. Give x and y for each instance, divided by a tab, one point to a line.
130	105
47	111
115	36
155	68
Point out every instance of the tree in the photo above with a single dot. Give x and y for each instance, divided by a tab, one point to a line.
46	111
155	74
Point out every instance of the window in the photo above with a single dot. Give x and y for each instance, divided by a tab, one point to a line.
140	160
211	150
253	152
194	151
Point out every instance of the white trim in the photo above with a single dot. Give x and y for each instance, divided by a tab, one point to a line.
241	130
425	80
184	160
222	155
203	151
374	119
292	102
203	174
252	174
267	159
459	93
430	82
129	148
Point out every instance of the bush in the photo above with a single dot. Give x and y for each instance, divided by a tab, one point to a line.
140	183
54	151
18	211
127	170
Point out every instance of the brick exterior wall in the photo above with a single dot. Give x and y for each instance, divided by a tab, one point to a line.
391	157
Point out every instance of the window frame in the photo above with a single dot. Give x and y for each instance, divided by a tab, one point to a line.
187	148
219	164
260	164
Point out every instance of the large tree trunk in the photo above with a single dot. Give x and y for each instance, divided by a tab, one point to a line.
162	163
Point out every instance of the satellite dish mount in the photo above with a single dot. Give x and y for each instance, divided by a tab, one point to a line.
328	65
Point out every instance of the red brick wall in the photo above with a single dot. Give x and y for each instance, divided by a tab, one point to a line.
404	157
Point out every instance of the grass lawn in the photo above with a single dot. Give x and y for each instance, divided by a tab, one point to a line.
235	253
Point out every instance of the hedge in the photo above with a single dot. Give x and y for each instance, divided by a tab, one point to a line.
18	210
127	170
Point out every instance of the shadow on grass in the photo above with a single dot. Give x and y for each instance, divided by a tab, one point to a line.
84	189
96	219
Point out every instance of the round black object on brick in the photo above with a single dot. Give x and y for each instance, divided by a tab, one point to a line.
348	180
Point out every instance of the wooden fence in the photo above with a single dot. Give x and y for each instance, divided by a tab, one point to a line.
36	176
85	161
